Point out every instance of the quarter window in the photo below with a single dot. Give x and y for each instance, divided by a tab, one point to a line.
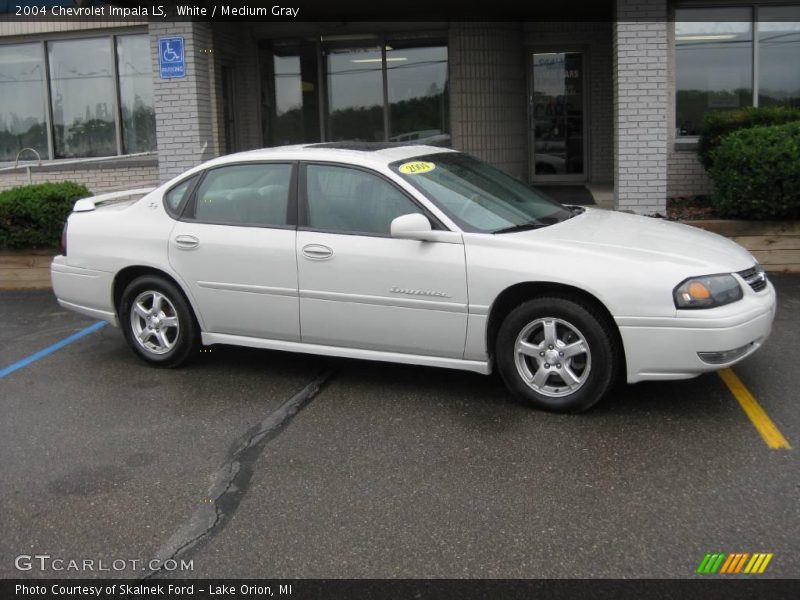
255	194
176	197
351	200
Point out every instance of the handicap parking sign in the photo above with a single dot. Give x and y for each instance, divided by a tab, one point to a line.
171	58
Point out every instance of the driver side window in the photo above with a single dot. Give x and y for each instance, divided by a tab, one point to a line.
353	201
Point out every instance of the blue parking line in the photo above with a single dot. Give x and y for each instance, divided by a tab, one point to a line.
50	349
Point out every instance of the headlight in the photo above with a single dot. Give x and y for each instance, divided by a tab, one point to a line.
707	291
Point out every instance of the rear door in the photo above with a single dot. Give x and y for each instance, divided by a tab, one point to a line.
361	288
235	248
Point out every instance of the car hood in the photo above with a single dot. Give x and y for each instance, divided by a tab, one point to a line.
642	239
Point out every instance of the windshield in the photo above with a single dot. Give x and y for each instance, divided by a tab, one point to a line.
477	196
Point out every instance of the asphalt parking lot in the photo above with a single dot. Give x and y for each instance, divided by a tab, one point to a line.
387	471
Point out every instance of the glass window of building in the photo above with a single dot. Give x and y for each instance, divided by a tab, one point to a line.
713	63
82	98
355	94
370	89
22	109
417	88
291	102
779	55
136	94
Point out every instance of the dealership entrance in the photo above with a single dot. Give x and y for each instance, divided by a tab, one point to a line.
557	122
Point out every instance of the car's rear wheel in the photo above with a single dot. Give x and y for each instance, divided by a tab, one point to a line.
158	322
556	354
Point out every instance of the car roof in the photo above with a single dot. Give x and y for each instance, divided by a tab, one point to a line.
358	153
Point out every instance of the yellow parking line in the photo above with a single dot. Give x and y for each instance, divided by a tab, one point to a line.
758	417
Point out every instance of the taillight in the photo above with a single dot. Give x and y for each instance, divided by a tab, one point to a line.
62	246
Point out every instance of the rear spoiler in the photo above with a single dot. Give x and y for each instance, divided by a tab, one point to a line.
87	204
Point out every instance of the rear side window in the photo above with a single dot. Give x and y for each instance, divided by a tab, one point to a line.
350	200
256	194
177	196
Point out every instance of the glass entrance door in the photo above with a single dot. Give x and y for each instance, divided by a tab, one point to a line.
557	117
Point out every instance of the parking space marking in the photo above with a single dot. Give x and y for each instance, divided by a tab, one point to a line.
757	415
50	349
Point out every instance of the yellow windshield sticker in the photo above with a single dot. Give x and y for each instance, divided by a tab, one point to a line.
416	167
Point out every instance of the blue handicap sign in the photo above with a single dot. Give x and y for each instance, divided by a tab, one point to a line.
171	58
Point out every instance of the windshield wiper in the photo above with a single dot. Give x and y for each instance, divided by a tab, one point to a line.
522	227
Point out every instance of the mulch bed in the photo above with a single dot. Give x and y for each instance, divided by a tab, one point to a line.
691	208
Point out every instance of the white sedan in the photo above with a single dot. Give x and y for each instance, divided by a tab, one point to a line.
411	254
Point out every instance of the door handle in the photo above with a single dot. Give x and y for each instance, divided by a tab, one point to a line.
317	252
187	242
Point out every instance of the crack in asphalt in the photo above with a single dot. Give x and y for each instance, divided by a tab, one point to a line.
232	479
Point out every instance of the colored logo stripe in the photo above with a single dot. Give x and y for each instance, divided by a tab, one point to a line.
733	563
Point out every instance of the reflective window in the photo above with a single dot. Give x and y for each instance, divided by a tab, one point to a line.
22	109
779	55
713	63
355	94
82	98
292	104
557	108
417	85
351	200
255	194
136	94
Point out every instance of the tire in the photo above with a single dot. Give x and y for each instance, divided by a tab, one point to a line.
548	378
165	338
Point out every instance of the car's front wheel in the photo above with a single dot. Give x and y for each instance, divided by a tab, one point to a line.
158	322
556	354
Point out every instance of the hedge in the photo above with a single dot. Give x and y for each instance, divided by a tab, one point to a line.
756	173
32	216
719	123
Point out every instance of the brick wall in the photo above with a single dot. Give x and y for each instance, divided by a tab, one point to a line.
184	107
641	104
488	115
686	175
98	180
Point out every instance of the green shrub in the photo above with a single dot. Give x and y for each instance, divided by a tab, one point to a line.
756	173
719	123
32	216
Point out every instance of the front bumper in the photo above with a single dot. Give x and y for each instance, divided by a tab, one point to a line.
669	348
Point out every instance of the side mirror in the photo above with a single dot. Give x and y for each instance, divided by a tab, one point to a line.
415	226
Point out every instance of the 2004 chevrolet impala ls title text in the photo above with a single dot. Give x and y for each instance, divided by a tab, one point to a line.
411	254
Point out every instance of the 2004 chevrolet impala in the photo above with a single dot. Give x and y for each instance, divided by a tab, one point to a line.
411	254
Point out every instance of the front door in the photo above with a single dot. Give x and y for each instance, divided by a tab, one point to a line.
557	117
361	288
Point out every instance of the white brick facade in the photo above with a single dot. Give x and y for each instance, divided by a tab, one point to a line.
641	100
488	94
97	180
184	106
686	175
